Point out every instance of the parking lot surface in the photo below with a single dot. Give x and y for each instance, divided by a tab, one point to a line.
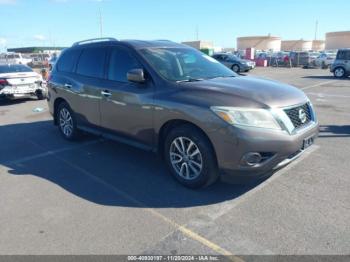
101	197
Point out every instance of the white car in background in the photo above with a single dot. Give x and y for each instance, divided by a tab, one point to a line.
324	60
14	58
20	81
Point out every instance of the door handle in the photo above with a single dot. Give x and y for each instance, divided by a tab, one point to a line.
68	85
106	93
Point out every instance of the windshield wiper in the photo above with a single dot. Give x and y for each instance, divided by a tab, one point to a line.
190	80
221	77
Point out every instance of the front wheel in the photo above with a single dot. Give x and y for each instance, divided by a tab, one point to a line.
190	157
66	122
339	72
236	69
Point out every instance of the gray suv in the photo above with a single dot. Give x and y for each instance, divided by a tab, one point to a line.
341	66
169	98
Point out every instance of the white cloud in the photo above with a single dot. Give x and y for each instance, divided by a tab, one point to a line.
7	2
39	37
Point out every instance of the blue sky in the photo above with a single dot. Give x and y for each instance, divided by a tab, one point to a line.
61	22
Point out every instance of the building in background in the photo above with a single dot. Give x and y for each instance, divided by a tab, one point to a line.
296	45
36	49
318	45
337	40
265	43
228	50
206	47
199	44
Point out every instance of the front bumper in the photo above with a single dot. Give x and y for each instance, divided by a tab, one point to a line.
232	143
246	67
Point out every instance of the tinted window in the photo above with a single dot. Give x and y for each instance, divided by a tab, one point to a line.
343	55
121	62
91	62
68	60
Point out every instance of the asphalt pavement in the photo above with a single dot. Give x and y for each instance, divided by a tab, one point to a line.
97	196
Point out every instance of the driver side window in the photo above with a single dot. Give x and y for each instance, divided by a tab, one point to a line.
120	63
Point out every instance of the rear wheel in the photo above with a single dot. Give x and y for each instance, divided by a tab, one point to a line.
66	122
339	72
190	157
236	69
40	95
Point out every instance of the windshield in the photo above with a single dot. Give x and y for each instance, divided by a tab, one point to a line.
184	64
14	69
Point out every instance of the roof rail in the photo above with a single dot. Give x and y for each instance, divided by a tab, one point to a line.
94	40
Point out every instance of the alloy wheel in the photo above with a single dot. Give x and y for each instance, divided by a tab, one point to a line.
186	158
339	72
66	122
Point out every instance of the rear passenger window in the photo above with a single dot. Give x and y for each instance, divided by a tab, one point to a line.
347	56
121	62
91	62
68	60
343	55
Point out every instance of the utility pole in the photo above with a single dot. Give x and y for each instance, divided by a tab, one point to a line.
197	33
101	26
316	29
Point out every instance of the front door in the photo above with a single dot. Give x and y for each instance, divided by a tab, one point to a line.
127	107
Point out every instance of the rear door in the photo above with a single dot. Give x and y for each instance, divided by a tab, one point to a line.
127	107
80	72
90	81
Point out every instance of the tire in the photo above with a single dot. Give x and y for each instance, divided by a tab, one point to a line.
339	72
184	167
66	122
40	95
236	68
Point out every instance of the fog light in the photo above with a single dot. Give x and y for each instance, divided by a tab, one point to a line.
251	159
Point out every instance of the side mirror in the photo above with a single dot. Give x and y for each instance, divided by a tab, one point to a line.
136	75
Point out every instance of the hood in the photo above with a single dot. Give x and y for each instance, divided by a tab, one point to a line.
236	91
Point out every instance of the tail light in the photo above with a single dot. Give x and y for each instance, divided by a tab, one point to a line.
3	82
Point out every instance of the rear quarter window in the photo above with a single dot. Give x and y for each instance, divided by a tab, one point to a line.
343	55
68	60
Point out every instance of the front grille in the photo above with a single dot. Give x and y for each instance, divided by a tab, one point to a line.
296	115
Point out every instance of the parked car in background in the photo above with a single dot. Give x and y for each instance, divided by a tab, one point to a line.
301	58
234	63
39	60
18	80
313	56
14	58
52	61
341	66
324	60
169	98
277	59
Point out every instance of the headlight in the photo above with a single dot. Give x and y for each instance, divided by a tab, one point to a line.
251	117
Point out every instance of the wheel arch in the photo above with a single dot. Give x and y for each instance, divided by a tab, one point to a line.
56	104
170	124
